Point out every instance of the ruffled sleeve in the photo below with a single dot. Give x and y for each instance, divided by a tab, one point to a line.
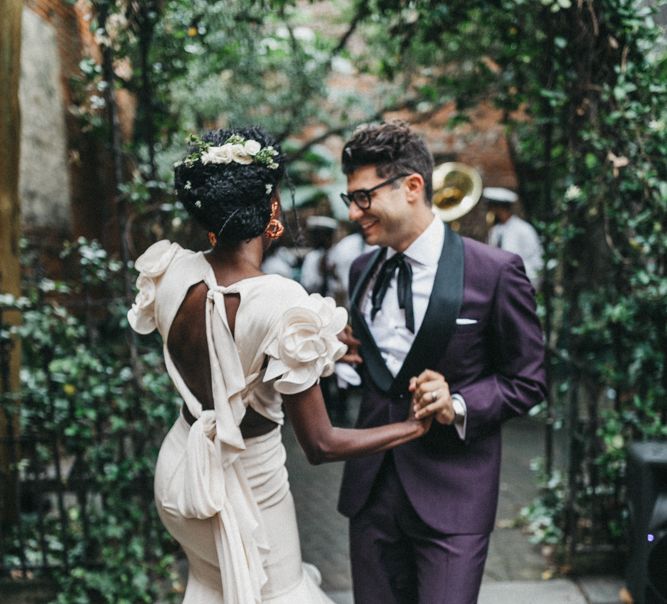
305	346
151	266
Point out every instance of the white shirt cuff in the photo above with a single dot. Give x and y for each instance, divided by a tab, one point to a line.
461	419
346	375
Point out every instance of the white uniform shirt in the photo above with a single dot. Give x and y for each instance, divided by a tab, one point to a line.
343	254
281	262
519	237
312	277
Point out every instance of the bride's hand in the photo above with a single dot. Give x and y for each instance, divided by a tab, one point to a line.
352	355
424	422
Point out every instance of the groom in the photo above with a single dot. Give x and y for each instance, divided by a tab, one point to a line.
447	324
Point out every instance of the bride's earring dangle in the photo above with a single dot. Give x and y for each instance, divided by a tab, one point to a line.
275	228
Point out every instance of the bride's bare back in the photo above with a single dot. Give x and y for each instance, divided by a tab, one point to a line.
189	350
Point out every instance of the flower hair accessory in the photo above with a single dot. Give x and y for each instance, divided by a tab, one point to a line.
235	149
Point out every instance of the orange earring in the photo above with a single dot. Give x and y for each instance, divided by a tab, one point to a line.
212	239
275	228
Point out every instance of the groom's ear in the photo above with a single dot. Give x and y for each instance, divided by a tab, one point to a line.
414	186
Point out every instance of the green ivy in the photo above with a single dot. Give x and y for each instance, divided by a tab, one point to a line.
105	419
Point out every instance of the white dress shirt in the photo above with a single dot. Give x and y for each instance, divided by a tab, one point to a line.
388	329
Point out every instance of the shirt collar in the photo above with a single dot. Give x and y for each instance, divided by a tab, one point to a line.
427	247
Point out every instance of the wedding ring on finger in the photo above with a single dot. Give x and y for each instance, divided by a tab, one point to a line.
434	396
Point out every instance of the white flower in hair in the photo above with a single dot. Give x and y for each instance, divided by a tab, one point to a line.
252	147
239	154
235	149
217	155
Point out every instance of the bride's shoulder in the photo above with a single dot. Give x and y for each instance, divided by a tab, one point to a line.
157	258
284	299
284	285
160	256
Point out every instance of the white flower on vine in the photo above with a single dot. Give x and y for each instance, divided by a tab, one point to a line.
268	188
188	185
198	203
572	192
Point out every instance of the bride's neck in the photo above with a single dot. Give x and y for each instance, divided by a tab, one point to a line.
233	263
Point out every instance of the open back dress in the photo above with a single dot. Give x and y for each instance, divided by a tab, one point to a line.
224	498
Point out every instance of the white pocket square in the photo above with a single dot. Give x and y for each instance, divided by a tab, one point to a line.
466	321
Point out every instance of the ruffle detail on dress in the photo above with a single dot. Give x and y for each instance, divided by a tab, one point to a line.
151	266
305	345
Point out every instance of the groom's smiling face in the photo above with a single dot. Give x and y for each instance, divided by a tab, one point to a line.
390	219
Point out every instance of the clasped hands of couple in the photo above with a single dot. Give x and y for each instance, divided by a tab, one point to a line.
431	397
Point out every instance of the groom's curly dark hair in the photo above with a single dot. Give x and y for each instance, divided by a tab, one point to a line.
393	148
232	200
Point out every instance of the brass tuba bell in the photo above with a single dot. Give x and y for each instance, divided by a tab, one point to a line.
456	189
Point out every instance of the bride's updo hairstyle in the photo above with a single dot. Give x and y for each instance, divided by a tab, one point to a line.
227	181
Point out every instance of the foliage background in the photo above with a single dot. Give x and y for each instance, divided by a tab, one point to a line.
583	90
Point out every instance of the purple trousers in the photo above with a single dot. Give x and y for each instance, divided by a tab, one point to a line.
397	559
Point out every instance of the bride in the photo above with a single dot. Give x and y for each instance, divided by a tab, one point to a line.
237	345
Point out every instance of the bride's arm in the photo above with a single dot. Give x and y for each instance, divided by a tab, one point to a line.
322	442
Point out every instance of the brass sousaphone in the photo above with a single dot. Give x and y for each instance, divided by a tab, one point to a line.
456	189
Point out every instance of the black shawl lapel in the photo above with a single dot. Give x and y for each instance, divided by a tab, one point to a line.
373	360
441	314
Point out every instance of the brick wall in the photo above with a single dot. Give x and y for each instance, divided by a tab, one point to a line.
72	32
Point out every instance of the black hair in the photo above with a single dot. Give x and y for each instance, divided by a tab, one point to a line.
393	149
232	200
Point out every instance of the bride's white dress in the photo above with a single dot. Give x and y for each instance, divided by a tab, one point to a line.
225	499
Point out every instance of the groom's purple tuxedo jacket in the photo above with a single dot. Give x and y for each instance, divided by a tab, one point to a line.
496	364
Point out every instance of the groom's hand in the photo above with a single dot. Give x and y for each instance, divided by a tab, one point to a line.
352	355
431	396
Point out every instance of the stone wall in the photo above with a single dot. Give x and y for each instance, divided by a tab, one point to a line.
66	182
44	183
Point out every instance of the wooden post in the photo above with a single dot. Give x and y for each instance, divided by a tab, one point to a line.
10	282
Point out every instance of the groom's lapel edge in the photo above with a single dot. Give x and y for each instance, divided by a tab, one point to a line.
373	360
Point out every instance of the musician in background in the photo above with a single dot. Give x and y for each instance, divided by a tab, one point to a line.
512	233
316	273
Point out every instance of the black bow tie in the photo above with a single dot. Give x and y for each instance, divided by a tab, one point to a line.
404	287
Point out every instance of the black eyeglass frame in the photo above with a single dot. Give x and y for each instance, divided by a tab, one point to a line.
348	198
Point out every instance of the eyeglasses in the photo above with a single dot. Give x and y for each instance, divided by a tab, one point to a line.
362	197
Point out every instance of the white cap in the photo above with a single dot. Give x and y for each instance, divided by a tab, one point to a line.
321	222
499	195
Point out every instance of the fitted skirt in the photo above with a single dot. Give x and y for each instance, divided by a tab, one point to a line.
289	581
